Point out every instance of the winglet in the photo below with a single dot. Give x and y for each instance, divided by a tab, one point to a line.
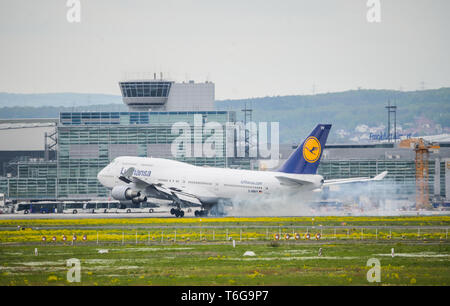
380	176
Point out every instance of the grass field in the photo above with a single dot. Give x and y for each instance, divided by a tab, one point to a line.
221	264
441	220
138	256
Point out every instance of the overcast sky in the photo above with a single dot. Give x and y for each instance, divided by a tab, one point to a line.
247	48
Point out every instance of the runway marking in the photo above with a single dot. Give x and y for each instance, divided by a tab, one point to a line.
297	252
292	258
42	263
150	249
421	254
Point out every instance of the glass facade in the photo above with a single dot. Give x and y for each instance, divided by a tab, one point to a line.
140	118
145	89
88	141
400	172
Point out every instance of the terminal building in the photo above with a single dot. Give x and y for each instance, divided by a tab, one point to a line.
85	142
368	160
344	161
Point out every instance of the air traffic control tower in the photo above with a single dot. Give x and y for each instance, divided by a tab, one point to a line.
165	96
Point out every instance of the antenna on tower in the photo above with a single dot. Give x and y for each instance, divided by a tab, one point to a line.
391	109
247	118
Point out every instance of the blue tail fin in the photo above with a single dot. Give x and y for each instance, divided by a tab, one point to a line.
305	159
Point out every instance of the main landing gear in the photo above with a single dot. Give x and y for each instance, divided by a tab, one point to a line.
177	212
201	213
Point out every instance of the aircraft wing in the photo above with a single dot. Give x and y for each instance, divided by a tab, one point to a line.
178	194
378	177
188	196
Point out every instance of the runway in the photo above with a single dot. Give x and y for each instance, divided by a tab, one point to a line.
166	214
162	214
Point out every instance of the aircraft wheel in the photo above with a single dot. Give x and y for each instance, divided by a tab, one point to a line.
177	213
197	213
172	211
181	213
150	210
75	212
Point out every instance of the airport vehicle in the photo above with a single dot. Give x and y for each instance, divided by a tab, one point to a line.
101	206
35	208
22	208
136	178
148	207
73	207
142	207
113	206
329	204
3	208
123	208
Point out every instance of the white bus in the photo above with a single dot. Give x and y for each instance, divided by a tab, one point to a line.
73	207
137	208
102	206
22	208
124	208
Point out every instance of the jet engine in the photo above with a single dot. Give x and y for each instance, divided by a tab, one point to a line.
123	193
139	199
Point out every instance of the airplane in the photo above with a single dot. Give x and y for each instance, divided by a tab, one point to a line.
185	185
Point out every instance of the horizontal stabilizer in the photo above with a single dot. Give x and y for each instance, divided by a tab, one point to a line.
378	177
287	181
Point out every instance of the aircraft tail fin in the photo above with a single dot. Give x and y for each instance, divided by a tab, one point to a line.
306	158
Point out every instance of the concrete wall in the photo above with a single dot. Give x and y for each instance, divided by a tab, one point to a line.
191	97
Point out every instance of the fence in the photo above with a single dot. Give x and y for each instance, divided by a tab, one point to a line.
179	234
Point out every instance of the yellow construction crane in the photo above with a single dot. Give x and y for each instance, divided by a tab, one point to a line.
422	149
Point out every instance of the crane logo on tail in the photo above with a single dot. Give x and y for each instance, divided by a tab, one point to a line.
311	149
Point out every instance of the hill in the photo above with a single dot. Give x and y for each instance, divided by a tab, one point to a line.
355	114
351	112
56	99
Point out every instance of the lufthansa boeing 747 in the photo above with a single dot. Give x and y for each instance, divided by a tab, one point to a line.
185	185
